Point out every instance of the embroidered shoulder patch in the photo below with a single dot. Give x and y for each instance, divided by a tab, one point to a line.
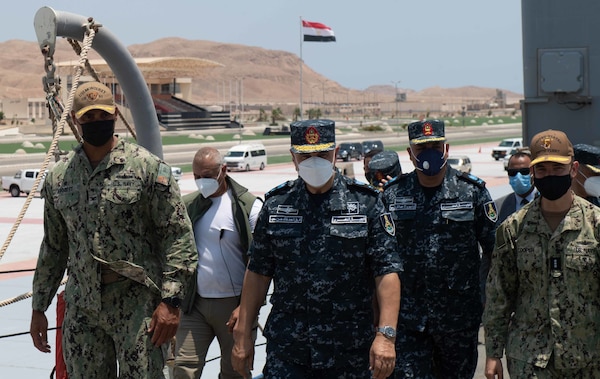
490	211
164	174
388	223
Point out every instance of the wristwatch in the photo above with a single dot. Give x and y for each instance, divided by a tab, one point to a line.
172	301
387	331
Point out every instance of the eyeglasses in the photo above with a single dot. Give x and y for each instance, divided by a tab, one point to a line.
514	171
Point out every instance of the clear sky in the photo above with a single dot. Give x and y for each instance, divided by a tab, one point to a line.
418	43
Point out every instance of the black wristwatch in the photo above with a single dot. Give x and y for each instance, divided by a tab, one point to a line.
387	331
172	301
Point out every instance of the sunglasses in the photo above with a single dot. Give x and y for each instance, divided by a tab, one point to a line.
514	171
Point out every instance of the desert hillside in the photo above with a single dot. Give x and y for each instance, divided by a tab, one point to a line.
269	76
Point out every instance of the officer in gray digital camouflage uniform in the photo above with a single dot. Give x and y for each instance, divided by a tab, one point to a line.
442	216
543	289
328	244
114	219
587	182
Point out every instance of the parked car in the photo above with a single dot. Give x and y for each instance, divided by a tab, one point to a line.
461	162
176	172
350	150
505	146
22	181
372	145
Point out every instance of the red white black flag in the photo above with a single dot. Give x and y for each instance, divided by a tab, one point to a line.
317	32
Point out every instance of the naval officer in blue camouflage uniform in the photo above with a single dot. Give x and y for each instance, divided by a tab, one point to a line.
328	245
442	216
115	221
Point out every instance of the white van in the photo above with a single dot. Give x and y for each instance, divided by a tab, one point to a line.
246	157
505	146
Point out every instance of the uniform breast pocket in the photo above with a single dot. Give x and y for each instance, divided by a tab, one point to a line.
351	237
119	205
459	215
404	221
284	230
404	215
285	241
66	201
581	256
122	196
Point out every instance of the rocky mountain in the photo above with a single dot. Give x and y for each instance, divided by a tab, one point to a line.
268	76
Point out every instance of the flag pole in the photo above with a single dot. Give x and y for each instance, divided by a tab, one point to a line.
301	68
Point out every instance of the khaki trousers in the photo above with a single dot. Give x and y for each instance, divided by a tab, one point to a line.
196	332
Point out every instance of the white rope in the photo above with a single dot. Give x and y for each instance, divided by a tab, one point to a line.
87	44
24	296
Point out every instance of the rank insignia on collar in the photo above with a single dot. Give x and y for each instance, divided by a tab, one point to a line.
490	211
388	223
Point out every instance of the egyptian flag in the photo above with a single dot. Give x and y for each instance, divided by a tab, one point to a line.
317	32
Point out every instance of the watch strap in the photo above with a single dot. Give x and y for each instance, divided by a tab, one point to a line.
172	301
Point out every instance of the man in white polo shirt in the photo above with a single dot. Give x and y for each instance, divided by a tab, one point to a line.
223	215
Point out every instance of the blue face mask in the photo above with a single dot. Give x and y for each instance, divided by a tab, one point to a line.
430	161
521	184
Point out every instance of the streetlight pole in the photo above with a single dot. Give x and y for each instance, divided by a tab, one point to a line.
241	99
395	83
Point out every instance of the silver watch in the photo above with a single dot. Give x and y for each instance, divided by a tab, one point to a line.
387	331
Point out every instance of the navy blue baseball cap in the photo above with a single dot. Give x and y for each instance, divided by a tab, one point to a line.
588	155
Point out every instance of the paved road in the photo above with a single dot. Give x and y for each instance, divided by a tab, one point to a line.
183	154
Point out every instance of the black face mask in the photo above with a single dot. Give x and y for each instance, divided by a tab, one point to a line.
553	187
98	133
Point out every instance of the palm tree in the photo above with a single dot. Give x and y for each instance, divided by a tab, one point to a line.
314	113
276	115
262	115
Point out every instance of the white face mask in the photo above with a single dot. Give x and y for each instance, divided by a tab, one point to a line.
208	186
315	171
592	186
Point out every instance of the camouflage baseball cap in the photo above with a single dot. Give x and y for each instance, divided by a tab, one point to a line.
588	155
426	131
93	95
551	146
309	136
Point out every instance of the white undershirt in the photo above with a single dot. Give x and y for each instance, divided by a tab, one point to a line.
220	261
